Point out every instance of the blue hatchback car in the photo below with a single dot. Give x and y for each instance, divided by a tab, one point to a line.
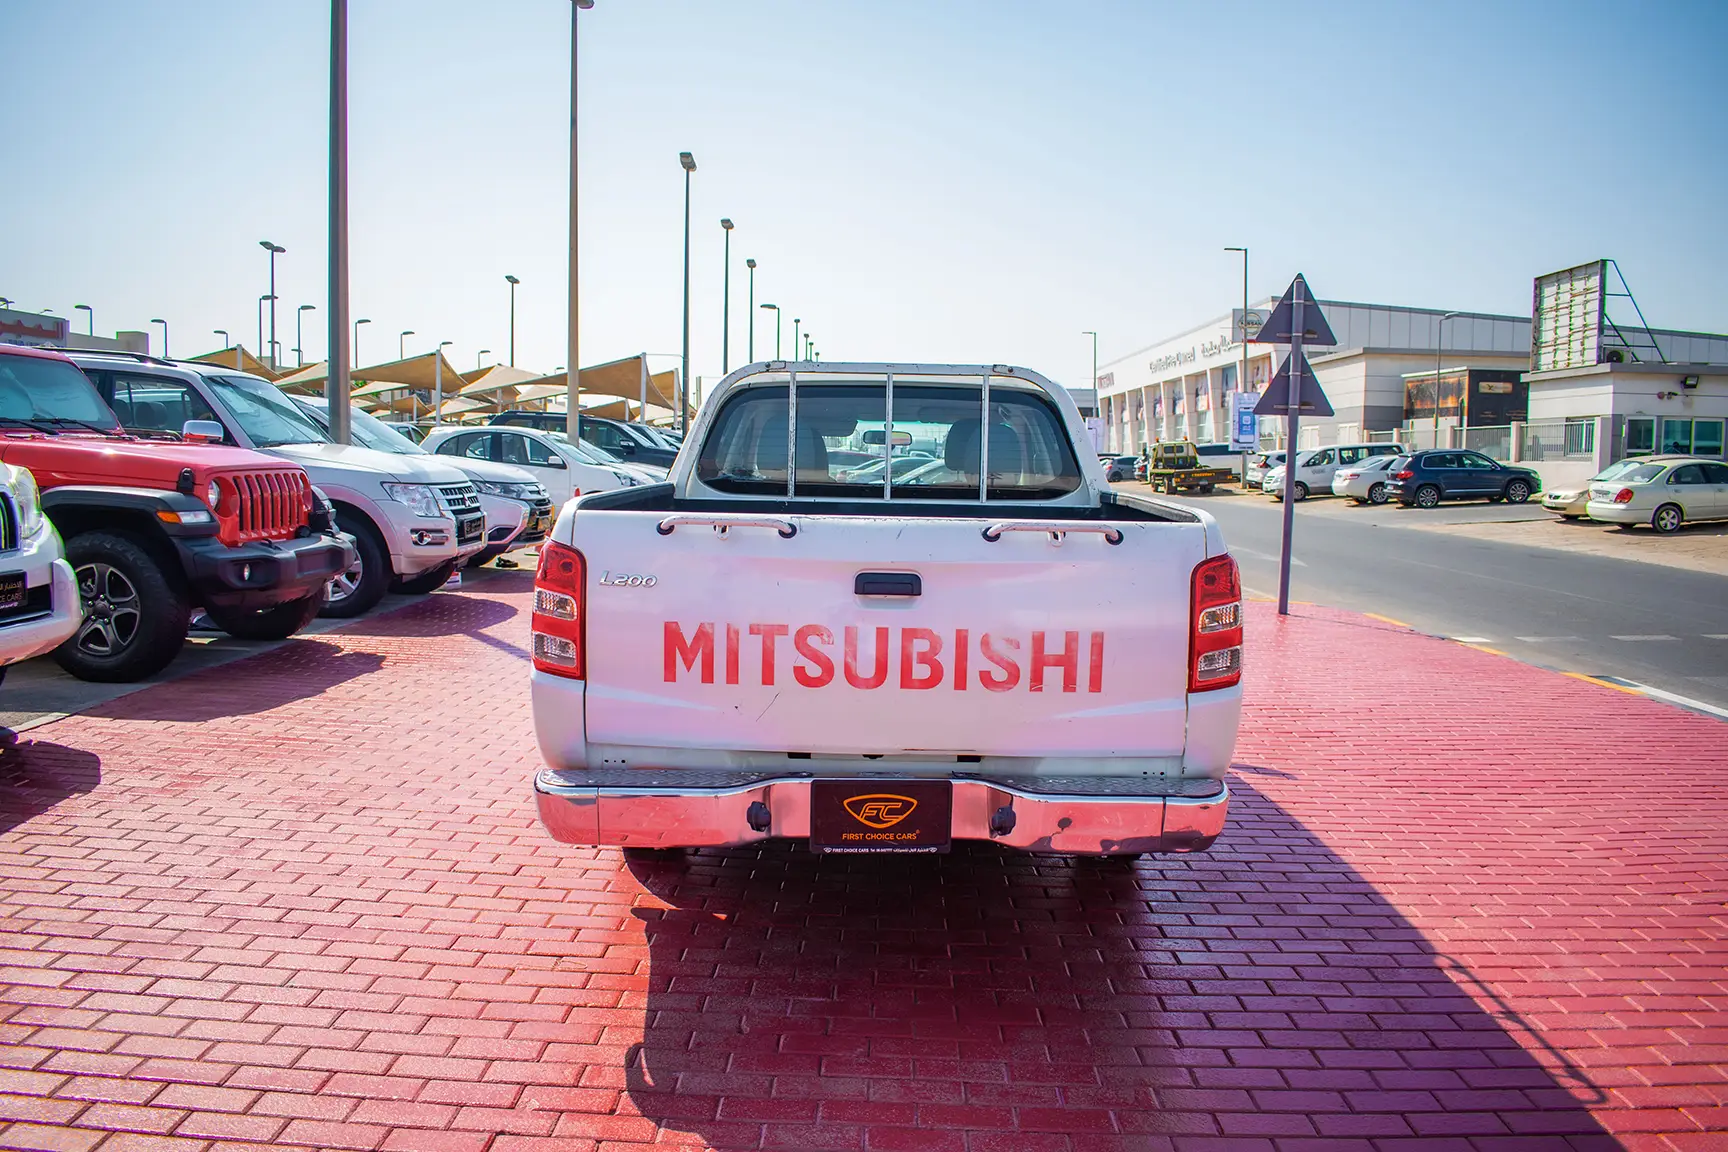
1423	479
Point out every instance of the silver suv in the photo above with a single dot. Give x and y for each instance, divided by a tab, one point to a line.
414	519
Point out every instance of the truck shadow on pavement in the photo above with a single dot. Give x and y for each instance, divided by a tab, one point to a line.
293	670
35	775
1262	991
445	614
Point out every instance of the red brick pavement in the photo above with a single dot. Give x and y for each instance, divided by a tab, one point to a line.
301	902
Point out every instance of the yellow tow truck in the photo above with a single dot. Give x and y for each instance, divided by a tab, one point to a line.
1175	467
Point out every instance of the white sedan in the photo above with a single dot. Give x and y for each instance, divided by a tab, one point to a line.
1364	482
1663	494
562	468
1569	503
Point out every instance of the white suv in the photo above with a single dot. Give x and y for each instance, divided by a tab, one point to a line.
414	520
38	593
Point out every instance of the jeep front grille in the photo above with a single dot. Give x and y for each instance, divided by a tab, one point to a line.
459	498
263	505
8	524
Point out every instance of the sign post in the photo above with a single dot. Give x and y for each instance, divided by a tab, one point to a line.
1297	320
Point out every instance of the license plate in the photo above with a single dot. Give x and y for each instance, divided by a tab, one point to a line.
12	590
881	815
470	530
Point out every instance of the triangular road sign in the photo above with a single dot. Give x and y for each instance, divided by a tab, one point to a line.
1275	401
1315	330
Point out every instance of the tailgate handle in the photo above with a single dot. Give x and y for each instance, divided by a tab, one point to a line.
1057	529
723	524
888	584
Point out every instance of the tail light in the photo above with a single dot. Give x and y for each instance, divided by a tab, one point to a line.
559	645
1407	474
1624	496
1215	643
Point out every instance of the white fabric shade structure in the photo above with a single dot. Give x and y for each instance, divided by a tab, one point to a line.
628	380
387	387
236	357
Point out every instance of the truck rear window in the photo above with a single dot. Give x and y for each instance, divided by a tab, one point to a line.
932	450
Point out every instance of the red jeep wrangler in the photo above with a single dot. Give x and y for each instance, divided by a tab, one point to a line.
155	529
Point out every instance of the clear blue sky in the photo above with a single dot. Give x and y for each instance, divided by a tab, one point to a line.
968	180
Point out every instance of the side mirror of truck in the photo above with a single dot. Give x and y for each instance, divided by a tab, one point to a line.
202	431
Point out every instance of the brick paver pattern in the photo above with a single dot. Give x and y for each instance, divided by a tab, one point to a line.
302	901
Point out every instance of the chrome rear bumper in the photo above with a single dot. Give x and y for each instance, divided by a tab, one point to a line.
700	810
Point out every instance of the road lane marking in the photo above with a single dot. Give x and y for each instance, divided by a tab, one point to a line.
1643	637
1385	619
1295	561
1597	680
1473	639
1683	701
1716	635
1546	639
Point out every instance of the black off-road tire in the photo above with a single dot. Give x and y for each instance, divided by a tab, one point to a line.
278	622
136	612
370	576
427	581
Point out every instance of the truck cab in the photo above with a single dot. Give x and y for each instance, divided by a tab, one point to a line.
996	647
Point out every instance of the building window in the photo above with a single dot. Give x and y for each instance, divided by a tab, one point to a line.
1640	435
1676	435
1707	437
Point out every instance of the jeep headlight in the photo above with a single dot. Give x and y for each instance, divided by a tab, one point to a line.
213	495
421	499
29	500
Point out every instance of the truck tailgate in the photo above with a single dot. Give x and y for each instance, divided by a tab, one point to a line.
1018	646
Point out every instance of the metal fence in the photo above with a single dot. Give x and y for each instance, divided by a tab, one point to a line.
1494	443
1560	440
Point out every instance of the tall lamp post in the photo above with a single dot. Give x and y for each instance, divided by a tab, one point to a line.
795	337
164	324
438	380
478	355
726	299
513	282
573	333
402	343
776	310
300	340
226	340
89	315
274	250
688	162
262	351
1439	343
336	378
357	324
751	264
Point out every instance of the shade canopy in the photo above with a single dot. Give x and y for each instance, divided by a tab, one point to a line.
623	379
235	356
416	372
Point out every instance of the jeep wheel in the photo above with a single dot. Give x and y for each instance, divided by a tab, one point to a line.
135	614
427	581
364	583
278	622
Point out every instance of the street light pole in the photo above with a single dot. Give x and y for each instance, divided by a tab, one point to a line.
357	324
573	333
90	316
438	380
1439	343
726	300
402	343
273	249
164	324
776	309
300	340
751	264
223	332
689	164
513	282
262	351
477	355
795	345
336	383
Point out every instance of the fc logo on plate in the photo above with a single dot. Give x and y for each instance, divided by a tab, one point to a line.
881	809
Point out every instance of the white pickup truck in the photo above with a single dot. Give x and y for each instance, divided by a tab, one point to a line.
1001	648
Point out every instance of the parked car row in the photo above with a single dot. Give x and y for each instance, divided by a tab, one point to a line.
1380	472
1663	491
137	493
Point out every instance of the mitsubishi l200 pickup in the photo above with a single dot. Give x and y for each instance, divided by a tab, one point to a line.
995	647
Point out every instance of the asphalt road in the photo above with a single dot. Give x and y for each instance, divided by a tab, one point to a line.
1663	627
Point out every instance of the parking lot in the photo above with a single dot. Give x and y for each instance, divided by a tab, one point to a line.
301	901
